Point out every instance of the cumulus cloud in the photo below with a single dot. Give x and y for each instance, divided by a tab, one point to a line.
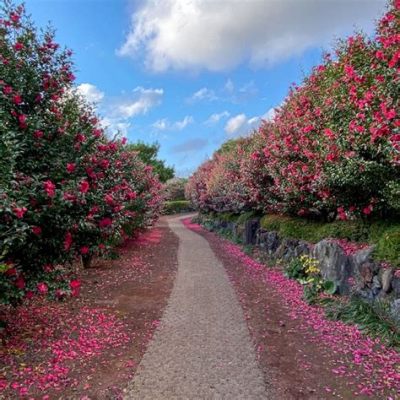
90	92
141	102
269	115
190	145
164	124
241	125
214	118
218	35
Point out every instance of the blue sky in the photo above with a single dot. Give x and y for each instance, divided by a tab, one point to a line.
191	74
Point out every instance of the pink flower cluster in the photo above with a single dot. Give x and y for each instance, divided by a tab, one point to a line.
333	146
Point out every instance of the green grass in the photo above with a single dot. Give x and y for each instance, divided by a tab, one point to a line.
373	319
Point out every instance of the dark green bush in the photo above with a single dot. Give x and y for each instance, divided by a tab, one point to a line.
176	207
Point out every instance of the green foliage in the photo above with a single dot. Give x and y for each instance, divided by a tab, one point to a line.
244	217
148	154
388	246
176	207
372	318
295	269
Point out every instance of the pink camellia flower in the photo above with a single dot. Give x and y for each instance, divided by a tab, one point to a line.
42	288
368	210
37	230
124	140
84	250
20	211
7	89
96	132
50	188
71	167
75	286
84	186
38	134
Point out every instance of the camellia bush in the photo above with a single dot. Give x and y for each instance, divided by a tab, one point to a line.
66	189
333	148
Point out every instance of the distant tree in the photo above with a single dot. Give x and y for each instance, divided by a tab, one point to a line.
175	189
148	154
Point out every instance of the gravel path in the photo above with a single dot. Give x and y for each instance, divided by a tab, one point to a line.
202	349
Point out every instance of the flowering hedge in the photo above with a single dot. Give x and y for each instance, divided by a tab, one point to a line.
66	189
333	149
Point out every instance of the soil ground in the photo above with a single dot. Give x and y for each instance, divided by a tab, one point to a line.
133	289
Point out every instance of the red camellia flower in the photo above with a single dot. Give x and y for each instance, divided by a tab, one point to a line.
68	241
29	294
42	288
75	286
20	211
103	223
84	250
17	99
22	121
11	272
84	186
18	46
37	230
71	167
50	188
20	283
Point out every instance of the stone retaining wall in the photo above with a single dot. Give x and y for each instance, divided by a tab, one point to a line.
358	271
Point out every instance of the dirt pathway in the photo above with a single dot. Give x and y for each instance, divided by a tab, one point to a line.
202	349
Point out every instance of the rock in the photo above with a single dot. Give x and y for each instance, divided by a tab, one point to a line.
303	248
376	286
250	229
386	279
395	310
363	256
365	274
396	286
287	249
335	266
268	241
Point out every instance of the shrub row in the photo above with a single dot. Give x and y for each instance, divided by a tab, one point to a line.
66	188
333	148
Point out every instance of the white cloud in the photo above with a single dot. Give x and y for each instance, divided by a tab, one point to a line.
179	125
203	94
164	124
214	118
90	92
114	126
218	35
241	125
269	115
142	101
